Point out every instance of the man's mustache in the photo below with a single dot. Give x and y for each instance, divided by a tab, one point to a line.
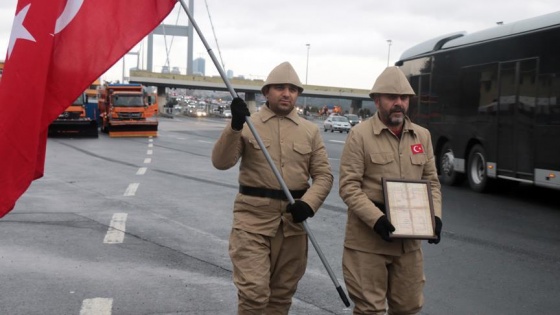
396	109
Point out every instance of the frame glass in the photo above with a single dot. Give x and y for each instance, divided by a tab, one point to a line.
410	208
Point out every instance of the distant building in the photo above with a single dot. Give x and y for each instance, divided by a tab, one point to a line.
199	66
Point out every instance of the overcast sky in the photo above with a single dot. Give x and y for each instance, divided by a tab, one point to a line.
348	39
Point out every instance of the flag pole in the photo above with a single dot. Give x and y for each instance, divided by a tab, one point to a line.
267	156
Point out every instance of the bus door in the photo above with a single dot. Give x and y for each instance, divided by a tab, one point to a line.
516	111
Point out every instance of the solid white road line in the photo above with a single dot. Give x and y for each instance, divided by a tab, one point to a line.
117	227
147	161
131	189
96	306
141	171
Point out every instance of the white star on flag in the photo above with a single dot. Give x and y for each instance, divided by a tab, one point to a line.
18	30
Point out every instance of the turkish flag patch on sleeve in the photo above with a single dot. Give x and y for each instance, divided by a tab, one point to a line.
417	148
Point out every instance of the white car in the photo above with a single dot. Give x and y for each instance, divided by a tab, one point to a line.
337	123
200	112
226	113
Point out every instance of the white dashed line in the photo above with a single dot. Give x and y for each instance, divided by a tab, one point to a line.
151	145
96	306
131	189
115	234
205	141
141	171
150	152
147	161
337	141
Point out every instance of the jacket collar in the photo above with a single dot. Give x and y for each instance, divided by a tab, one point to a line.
378	125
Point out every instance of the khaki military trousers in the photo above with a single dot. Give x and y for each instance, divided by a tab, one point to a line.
266	270
380	283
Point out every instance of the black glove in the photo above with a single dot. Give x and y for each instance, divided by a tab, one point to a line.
300	211
439	224
383	227
239	111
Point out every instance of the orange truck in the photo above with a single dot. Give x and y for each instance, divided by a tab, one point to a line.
74	122
127	110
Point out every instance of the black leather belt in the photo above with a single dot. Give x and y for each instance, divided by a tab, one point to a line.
270	193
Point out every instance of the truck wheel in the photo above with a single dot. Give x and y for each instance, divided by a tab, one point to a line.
332	130
476	170
446	170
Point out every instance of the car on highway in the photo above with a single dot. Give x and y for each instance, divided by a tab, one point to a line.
353	119
200	112
226	113
337	123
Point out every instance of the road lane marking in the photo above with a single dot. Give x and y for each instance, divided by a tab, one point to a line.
337	141
141	171
151	140
115	234
131	189
150	152
147	161
96	306
203	141
151	145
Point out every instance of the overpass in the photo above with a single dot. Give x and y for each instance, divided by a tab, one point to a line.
249	87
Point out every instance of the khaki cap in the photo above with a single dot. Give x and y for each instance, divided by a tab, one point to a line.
284	73
391	81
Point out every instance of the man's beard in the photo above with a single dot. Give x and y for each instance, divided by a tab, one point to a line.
395	121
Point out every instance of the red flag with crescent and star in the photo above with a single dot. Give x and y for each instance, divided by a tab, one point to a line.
417	148
57	48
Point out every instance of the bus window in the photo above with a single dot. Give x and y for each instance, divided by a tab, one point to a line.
479	91
548	107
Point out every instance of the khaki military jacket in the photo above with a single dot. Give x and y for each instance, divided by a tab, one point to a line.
371	153
297	149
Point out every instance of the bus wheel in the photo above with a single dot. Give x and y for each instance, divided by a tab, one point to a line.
476	170
447	173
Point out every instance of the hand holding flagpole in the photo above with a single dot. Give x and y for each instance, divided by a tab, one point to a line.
267	156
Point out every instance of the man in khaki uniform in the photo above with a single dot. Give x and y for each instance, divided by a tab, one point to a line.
383	274
268	244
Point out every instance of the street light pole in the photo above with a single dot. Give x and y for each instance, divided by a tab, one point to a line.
389	51
306	72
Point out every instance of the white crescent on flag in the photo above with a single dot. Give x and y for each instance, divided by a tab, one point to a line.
70	10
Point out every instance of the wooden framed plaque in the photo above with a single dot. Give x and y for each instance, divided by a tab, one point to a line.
410	208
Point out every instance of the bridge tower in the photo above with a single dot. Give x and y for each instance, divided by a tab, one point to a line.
173	30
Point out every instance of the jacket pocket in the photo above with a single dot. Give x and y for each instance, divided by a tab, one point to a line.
382	158
302	148
418	159
255	144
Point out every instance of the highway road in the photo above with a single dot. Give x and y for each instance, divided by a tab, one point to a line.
141	226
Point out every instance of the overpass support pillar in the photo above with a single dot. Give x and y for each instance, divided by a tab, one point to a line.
161	99
355	106
251	101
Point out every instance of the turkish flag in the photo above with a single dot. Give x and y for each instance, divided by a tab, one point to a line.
57	48
417	148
